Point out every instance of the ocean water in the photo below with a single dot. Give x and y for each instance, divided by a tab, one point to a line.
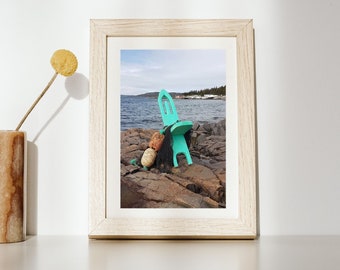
143	112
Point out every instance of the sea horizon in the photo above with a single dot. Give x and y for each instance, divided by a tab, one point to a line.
143	112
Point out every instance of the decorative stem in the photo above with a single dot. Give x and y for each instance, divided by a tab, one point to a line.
37	100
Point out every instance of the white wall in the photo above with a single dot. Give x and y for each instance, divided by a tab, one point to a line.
298	104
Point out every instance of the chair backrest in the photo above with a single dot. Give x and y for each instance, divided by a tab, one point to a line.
167	108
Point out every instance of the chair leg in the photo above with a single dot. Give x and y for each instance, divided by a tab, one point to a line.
179	146
187	156
175	160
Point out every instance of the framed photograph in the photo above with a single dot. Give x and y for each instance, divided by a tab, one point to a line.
172	129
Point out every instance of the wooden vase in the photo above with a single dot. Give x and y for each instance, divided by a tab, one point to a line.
12	186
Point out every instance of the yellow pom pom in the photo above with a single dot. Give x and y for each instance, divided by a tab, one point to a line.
64	62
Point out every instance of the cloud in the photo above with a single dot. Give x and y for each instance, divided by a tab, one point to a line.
175	70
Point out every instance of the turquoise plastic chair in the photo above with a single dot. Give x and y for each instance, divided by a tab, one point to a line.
179	128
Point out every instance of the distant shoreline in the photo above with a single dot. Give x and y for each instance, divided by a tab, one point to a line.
207	93
180	96
204	97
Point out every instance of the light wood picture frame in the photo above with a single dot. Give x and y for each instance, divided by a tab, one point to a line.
103	226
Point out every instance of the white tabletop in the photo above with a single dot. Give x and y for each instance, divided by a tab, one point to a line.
78	253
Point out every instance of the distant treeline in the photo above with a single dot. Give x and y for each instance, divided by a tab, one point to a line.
220	91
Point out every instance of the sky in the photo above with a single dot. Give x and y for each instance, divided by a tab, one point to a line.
144	71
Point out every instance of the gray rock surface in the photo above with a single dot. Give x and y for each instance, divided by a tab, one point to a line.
199	185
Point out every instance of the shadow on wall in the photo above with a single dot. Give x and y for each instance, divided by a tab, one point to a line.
77	87
32	189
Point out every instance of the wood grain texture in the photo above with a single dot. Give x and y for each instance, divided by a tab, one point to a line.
244	226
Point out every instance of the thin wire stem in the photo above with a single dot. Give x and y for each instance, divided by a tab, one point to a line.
37	100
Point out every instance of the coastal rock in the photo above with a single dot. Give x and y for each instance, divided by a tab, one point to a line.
200	185
159	191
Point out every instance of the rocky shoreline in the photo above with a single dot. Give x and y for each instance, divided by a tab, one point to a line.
199	185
